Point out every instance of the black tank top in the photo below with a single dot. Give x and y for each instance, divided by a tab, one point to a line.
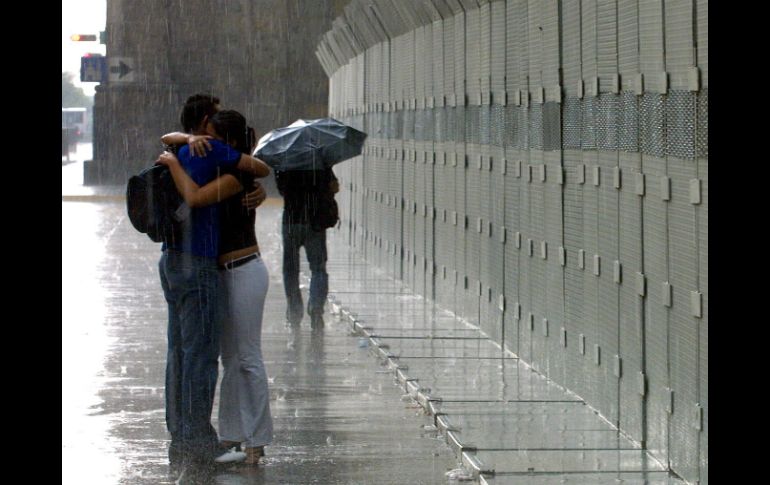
236	223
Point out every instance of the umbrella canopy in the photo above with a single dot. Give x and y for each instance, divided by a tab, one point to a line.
310	145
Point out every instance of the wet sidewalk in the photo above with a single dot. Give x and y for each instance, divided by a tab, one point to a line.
338	398
504	421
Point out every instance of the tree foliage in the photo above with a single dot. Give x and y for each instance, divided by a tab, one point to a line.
72	96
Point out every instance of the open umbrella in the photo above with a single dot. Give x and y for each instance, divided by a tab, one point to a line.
310	145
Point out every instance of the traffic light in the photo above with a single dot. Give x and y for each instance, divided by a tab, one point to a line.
83	37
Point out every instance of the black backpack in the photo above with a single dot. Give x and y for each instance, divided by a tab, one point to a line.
154	205
326	213
307	192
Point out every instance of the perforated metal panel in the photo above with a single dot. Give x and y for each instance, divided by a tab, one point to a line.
457	118
512	126
628	136
472	119
536	126
573	123
497	125
680	124
606	118
552	126
703	124
485	126
652	120
588	131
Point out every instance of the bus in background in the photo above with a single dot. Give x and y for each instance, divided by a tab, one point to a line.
75	120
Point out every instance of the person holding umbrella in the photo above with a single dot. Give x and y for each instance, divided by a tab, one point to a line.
302	155
308	197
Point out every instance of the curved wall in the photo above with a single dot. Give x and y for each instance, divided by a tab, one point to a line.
541	169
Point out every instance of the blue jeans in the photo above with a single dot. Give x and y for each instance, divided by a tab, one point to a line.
294	237
190	285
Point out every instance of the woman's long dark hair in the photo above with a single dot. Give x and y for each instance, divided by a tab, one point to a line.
231	126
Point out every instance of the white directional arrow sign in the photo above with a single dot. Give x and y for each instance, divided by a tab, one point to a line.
121	69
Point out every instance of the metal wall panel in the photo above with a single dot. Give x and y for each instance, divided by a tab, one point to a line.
656	319
703	354
628	40
472	54
438	61
631	303
608	249
410	64
680	45
535	43
460	58
429	52
512	222
607	44
574	298
550	49
554	236
651	41
514	29
702	27
498	50
421	67
591	295
684	326
571	46
484	73
525	263
523	44
588	36
536	234
449	55
456	121
497	247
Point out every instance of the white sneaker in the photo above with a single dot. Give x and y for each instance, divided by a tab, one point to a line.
230	455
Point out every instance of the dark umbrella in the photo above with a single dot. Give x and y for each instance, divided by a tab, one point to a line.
310	145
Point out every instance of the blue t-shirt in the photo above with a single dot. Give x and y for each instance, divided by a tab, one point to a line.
201	237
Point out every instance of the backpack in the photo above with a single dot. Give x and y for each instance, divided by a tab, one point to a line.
326	212
307	192
154	205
